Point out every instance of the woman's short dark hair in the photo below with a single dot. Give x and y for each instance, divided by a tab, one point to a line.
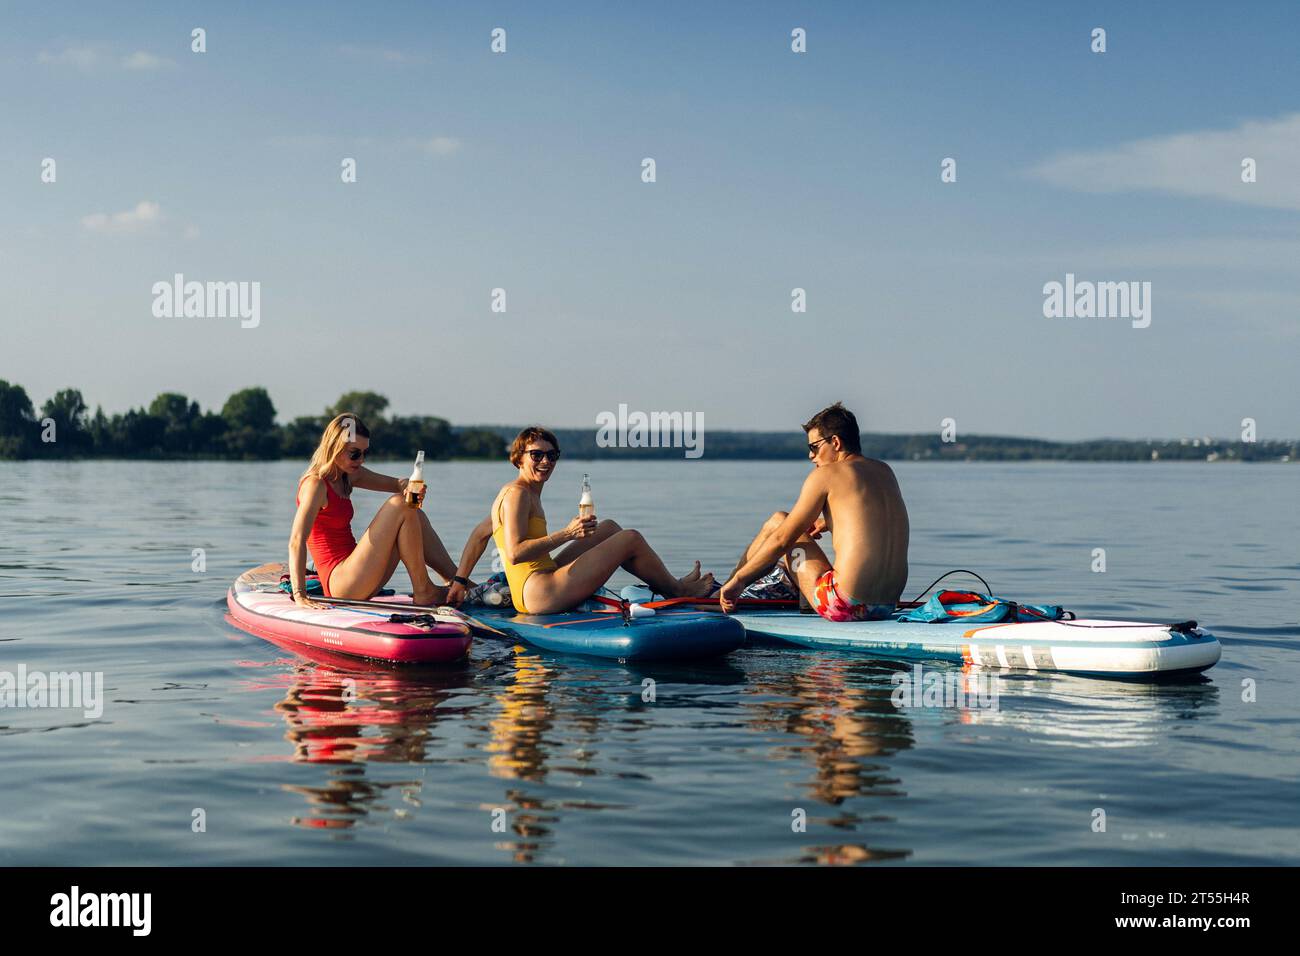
530	434
837	420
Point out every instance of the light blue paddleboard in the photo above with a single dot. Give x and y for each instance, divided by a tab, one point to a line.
1096	647
1105	648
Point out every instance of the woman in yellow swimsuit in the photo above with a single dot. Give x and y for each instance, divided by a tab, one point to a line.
592	552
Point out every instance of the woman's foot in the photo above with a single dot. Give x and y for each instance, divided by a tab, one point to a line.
695	584
435	596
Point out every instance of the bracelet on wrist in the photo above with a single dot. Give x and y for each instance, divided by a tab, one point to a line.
459	580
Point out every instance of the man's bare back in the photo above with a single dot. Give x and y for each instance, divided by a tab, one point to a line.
869	529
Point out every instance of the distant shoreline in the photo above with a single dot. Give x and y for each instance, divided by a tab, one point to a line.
580	445
785	445
174	428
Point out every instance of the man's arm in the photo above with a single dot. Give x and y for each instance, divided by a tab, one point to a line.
812	498
475	545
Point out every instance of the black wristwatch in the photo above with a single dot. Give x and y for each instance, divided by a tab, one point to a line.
465	581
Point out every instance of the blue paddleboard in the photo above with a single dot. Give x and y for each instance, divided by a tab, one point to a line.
598	631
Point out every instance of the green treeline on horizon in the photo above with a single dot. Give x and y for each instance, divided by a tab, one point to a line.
764	446
245	429
173	427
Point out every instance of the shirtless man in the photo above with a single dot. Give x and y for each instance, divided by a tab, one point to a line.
857	500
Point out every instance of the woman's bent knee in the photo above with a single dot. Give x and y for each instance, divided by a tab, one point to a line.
407	513
609	524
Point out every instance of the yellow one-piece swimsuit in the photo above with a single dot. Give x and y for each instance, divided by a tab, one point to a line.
517	574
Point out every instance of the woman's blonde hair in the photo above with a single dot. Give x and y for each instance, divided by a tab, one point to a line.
345	428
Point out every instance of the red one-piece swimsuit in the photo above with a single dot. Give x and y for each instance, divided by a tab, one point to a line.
330	540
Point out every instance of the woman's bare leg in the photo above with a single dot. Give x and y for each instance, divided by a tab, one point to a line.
410	548
394	560
435	553
367	569
549	592
605	529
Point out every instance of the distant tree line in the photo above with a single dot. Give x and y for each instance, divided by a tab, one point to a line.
581	443
173	426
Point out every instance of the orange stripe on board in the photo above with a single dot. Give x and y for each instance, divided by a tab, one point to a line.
982	610
671	602
713	602
972	633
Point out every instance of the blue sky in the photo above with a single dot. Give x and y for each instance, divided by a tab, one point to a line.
775	171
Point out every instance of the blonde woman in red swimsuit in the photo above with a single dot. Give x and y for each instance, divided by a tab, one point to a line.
349	568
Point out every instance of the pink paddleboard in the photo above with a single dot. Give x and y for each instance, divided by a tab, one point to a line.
259	606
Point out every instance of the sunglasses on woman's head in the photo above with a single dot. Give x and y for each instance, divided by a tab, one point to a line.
356	454
537	456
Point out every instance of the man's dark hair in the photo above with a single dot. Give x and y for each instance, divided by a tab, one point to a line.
837	420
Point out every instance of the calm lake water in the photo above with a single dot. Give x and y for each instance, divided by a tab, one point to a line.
96	575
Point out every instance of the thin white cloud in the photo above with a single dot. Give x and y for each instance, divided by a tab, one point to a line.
442	146
1204	163
379	54
89	58
433	146
78	57
143	61
145	217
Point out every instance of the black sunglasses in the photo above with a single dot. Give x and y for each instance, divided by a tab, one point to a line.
812	445
356	454
536	456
